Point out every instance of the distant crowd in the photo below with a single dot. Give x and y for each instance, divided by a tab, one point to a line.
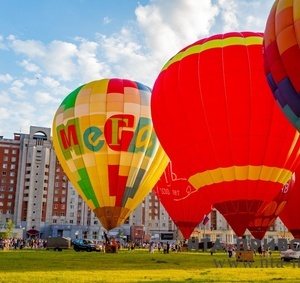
12	243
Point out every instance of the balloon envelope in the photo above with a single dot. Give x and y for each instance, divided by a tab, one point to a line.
184	204
291	211
104	139
215	117
268	213
282	57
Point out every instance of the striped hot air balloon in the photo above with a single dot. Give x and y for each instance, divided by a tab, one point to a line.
105	141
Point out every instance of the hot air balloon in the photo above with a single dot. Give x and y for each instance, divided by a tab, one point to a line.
215	117
184	204
268	213
282	57
104	139
290	212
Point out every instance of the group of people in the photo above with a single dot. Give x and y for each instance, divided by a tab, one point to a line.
18	243
164	246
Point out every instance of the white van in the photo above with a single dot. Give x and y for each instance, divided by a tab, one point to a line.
290	254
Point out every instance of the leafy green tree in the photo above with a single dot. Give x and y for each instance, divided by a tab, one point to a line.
9	226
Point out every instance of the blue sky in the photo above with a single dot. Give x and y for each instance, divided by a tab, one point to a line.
50	47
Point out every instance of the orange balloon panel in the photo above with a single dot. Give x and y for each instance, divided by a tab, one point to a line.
268	213
105	141
185	205
215	117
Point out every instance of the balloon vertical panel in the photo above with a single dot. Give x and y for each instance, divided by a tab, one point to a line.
104	139
186	206
290	213
269	211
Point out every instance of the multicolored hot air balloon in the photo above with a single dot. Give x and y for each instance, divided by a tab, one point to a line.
290	212
282	57
105	141
184	204
215	117
268	213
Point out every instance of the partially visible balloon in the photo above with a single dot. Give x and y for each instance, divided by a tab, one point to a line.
282	57
266	216
184	204
215	117
290	213
105	141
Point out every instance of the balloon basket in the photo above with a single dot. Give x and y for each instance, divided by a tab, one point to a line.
110	249
244	256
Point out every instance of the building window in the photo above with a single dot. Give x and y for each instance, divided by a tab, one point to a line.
5	158
6	151
12	174
54	221
9	196
4	166
13	159
4	173
14	151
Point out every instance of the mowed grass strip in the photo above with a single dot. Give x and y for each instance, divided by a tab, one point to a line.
140	266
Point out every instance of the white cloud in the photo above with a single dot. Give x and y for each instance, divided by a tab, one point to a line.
31	48
29	66
170	25
106	20
6	78
59	60
42	97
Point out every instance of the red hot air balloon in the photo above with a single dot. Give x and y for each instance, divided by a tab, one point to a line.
183	203
269	212
215	117
282	57
290	212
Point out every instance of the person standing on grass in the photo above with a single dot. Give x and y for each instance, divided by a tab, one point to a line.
152	246
159	246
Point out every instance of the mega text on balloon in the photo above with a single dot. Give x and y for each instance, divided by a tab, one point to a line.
119	133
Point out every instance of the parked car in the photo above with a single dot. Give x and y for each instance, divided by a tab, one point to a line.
291	254
85	245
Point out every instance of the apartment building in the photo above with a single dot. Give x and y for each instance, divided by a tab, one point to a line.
36	194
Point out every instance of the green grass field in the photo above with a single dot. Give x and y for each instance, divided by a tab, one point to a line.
139	266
